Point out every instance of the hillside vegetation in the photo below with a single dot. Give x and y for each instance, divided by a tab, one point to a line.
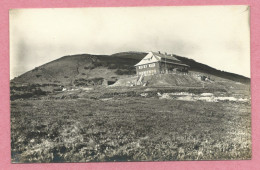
63	112
69	70
85	70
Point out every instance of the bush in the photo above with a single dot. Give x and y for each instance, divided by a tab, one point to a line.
97	64
125	72
88	82
90	67
112	66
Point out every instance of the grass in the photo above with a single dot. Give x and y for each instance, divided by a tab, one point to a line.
128	129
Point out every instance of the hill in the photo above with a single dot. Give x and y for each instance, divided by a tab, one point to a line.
87	69
71	70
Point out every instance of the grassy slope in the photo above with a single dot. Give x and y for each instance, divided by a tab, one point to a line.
199	67
70	68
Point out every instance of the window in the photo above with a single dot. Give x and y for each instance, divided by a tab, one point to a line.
152	65
140	67
145	66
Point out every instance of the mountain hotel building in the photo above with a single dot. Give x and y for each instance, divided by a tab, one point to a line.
157	63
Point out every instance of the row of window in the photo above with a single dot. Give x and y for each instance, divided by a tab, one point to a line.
148	72
145	66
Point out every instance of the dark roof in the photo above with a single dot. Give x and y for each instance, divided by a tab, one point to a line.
163	56
177	64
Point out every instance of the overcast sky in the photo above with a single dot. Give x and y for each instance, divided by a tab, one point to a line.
218	36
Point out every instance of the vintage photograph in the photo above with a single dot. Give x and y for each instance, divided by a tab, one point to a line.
120	84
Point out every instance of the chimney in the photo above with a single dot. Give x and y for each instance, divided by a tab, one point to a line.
165	53
159	52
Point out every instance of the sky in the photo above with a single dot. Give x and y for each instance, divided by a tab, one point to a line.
218	36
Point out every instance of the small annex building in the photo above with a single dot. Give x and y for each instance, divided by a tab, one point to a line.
157	63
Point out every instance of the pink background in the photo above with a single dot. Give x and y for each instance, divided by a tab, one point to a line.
5	153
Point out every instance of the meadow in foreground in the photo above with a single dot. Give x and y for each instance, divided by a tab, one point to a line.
128	129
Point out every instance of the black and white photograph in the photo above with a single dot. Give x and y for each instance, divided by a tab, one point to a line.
130	84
